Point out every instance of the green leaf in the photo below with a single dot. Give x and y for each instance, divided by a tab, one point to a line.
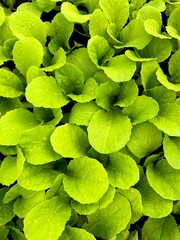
36	145
43	91
108	132
120	68
31	54
142	109
162	95
98	24
6	210
173	20
70	79
159	229
157	48
172	32
99	50
171	146
86	180
134	34
23	205
116	11
117	168
27	24
109	221
154	205
58	61
164	179
53	190
106	95
154	28
84	209
73	233
136	58
127	94
72	14
134	198
16	234
80	58
41	222
158	4
44	5
168	119
107	198
162	78
14	123
145	138
29	6
148	75
88	92
11	168
63	28
2	16
10	85
81	113
36	177
149	12
174	67
33	72
70	141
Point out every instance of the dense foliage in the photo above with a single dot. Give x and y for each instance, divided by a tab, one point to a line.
89	120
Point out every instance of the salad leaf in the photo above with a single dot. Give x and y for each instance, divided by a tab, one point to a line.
109	131
85	180
67	141
41	221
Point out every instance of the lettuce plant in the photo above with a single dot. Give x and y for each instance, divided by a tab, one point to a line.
89	120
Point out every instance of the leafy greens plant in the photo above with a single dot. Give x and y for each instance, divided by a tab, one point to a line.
89	120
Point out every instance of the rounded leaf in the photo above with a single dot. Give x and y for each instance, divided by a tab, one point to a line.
109	131
70	141
86	180
164	179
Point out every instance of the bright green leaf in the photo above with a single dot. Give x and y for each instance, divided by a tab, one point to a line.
120	68
41	222
154	205
162	95
84	209
134	198
23	205
171	146
43	91
168	119
14	123
70	141
116	11
36	177
2	16
99	50
70	79
81	113
86	180
117	168
72	14
27	24
73	233
143	108
164	179
109	131
11	168
31	53
148	74
109	221
36	145
145	138
134	34
10	85
98	24
160	229
6	210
